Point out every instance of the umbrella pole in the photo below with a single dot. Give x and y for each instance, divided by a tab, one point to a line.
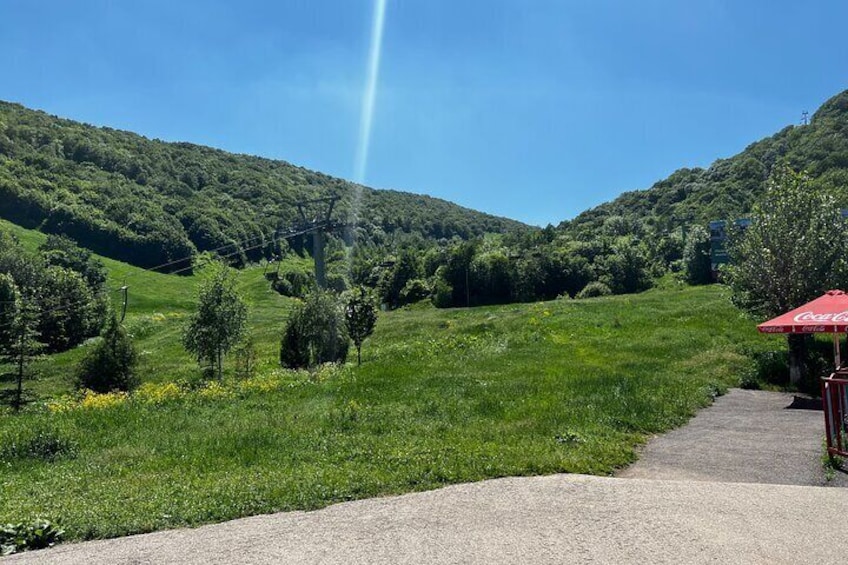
836	356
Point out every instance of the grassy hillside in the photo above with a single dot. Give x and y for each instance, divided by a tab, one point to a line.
148	202
158	304
729	187
443	396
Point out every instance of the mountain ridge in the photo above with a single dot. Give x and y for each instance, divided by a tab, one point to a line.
729	186
148	201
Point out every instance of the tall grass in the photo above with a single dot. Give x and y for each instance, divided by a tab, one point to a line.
442	397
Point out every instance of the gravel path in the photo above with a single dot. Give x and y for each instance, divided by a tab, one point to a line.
746	436
723	489
553	519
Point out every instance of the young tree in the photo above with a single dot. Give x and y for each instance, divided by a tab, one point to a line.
315	332
23	344
696	256
220	320
9	305
792	252
360	319
110	365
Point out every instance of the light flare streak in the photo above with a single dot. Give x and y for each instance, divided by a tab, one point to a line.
368	101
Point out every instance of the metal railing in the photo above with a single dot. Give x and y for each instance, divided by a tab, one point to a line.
835	404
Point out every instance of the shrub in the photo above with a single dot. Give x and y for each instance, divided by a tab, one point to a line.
337	282
413	291
37	534
296	284
111	364
593	290
283	286
315	333
696	256
442	294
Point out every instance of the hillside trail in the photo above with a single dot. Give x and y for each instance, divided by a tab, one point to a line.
739	484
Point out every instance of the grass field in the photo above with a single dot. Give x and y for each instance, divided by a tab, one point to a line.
443	396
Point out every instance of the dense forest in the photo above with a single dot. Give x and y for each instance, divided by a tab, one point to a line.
624	245
729	187
149	202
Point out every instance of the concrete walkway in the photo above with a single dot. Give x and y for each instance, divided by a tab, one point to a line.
539	520
722	489
746	436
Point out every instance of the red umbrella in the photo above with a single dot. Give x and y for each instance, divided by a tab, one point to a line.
826	314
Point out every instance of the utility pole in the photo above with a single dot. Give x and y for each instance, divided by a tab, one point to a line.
318	257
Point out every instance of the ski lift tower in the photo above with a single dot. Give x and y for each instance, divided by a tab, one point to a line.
316	218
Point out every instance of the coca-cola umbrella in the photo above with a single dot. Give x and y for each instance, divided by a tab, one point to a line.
826	314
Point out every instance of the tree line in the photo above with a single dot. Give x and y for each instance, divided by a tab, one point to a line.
148	202
50	300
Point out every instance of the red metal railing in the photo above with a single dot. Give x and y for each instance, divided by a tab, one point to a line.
835	404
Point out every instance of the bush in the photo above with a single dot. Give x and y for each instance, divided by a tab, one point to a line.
111	364
315	333
772	366
442	293
283	286
296	284
696	256
337	282
37	534
413	291
593	290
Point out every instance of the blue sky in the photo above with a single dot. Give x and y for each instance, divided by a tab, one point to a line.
530	109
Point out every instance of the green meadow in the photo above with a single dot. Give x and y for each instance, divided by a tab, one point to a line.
442	396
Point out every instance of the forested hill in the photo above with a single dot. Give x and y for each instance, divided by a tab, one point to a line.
148	202
728	188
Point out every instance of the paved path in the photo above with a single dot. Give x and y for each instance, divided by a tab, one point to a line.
695	499
539	520
746	436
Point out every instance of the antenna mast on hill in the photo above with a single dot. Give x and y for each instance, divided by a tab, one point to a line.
804	117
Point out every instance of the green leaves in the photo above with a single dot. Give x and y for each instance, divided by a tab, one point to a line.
110	365
315	332
793	251
22	536
360	318
220	320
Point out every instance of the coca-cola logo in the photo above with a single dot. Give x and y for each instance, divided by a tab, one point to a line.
821	318
773	329
812	329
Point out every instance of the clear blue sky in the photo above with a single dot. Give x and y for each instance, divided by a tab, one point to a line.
530	109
